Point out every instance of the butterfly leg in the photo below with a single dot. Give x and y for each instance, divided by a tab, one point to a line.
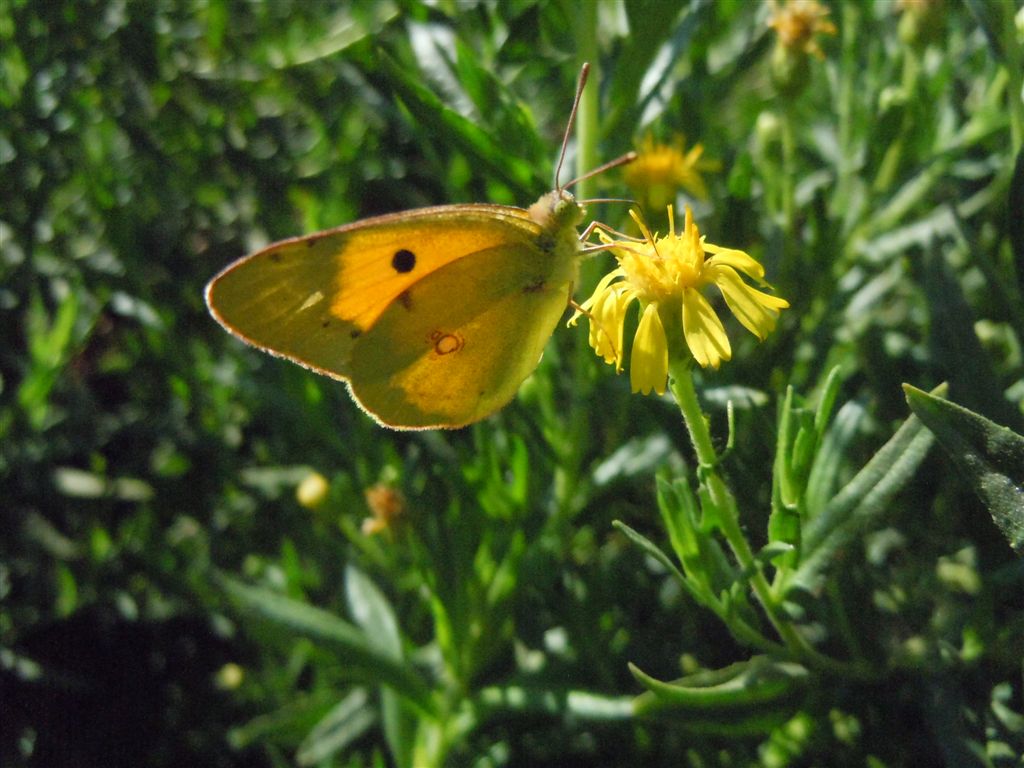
595	226
579	310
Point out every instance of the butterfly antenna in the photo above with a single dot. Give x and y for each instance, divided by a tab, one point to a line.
629	157
584	72
592	200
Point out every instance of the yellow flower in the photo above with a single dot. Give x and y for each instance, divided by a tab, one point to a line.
797	24
667	276
660	170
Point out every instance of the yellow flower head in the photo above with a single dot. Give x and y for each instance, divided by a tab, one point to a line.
798	23
667	275
660	170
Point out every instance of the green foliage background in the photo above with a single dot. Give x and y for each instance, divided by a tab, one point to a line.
166	601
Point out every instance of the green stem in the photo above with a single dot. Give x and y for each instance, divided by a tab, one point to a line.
686	396
1014	64
788	172
848	74
570	438
890	164
681	384
431	745
588	117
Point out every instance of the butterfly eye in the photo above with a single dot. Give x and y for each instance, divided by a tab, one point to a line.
403	261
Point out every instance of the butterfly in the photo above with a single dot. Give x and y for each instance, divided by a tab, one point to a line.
434	316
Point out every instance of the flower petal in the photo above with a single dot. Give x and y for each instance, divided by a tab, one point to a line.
602	286
704	332
648	362
757	311
606	324
736	259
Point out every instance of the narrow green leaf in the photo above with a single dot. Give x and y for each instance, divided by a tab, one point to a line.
705	564
905	199
989	456
861	502
373	612
774	549
49	342
828	463
362	658
637	457
1014	219
987	14
640	71
449	125
286	724
783	474
399	727
505	114
474	77
649	547
756	682
345	28
966	364
506	576
60	336
827	401
804	447
499	701
342	725
784	519
784	535
678	509
1002	696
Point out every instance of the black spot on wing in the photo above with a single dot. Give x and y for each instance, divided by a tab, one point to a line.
405	299
403	261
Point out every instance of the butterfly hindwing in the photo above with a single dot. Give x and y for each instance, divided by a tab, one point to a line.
457	345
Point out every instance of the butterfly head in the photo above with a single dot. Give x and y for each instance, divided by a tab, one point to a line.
557	210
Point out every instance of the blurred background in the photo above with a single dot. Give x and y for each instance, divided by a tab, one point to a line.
163	485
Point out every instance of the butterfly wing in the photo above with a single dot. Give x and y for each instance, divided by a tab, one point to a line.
457	345
310	299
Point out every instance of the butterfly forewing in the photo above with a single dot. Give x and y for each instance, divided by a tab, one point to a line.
390	254
310	298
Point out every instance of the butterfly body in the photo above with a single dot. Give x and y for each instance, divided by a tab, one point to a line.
433	316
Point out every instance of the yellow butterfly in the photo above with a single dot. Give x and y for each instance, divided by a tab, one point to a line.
433	316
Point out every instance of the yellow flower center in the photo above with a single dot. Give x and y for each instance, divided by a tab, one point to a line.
798	22
666	266
661	169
